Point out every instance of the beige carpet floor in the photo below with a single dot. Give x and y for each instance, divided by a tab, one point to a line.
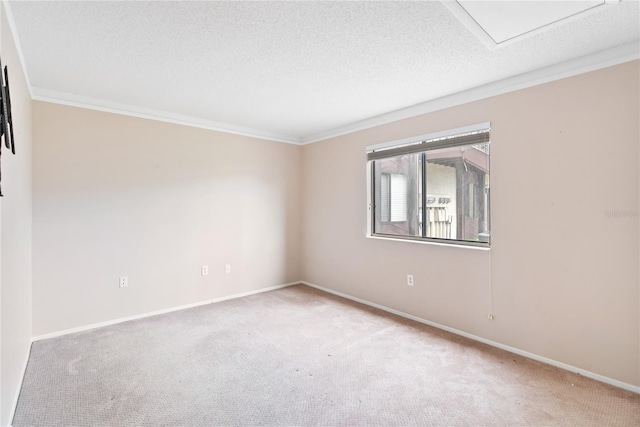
298	356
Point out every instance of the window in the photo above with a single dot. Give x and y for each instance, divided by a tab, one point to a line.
434	187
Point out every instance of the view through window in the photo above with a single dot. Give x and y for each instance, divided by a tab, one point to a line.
433	189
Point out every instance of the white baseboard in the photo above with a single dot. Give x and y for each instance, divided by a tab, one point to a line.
155	313
570	368
15	401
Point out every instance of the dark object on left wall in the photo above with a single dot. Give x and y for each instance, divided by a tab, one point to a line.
6	119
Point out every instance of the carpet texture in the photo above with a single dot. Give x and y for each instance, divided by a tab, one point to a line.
298	356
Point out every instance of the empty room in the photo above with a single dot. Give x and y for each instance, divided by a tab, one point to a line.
330	213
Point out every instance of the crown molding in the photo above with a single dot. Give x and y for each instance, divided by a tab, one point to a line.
63	98
606	58
46	95
603	59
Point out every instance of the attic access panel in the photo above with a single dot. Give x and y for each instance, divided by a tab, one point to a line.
500	22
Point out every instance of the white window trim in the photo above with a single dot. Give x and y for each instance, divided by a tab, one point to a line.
453	244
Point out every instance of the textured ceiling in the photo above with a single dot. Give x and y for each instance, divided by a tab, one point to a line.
287	70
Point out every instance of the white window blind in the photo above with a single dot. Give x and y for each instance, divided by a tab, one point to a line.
398	197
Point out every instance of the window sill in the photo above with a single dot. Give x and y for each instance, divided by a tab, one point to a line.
462	245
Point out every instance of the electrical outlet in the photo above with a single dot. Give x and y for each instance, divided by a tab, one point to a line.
124	281
227	268
409	279
205	270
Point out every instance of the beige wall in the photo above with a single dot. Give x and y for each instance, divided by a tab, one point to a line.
15	233
561	277
122	196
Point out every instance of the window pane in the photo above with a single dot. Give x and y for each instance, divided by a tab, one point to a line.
457	193
396	186
441	198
